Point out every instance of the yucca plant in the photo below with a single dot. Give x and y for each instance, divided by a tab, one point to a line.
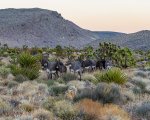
27	60
112	75
28	66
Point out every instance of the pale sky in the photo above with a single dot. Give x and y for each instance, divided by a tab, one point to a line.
98	15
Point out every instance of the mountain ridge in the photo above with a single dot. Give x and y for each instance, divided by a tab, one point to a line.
46	28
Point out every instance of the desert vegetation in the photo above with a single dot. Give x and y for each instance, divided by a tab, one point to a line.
118	91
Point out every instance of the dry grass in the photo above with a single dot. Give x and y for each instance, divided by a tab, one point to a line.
42	114
101	112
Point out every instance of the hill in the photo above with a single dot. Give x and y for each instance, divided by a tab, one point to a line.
108	34
40	27
45	28
139	40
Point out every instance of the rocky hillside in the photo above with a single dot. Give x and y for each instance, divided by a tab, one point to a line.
138	40
40	27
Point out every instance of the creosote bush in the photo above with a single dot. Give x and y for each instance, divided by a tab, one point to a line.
114	75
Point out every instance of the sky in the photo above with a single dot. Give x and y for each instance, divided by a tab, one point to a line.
96	15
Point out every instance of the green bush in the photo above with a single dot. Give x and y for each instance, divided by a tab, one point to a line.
26	60
50	82
85	93
4	71
28	66
114	75
69	76
90	78
57	90
30	73
20	78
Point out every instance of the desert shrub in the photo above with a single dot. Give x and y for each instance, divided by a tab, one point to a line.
137	90
90	78
49	103
20	78
1	63
12	84
4	71
61	81
56	90
85	93
105	93
25	117
42	114
90	110
27	107
26	60
43	88
69	76
112	75
4	107
141	73
50	82
28	66
140	84
108	93
31	74
144	110
65	110
15	70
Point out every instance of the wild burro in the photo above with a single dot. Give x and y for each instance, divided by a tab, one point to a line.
75	67
89	65
78	66
53	68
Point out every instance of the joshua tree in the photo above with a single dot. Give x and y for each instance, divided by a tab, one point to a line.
59	50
